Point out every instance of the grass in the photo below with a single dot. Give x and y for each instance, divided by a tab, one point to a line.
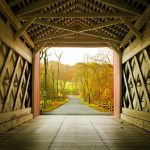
101	109
52	105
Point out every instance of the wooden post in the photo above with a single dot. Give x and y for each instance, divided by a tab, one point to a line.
117	84
36	85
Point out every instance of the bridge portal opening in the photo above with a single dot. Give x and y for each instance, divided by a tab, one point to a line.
76	76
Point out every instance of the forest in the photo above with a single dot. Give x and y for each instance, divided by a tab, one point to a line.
91	80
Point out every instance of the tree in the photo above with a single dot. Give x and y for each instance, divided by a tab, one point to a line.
58	71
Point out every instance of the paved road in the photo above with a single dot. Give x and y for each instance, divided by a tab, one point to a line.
75	107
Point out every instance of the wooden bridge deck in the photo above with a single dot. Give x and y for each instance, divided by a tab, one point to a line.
71	132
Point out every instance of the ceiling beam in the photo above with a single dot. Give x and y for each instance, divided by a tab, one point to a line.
39	48
56	35
138	25
89	33
39	4
105	24
104	10
14	21
115	48
77	15
98	26
77	45
62	40
24	27
121	6
132	27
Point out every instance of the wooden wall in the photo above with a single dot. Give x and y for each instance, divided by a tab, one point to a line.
15	81
136	82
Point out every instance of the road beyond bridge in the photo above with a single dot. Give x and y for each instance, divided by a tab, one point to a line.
75	107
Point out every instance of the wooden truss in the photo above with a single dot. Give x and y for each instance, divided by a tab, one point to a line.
15	75
46	21
136	81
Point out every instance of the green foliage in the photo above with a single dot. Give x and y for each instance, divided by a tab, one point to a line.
66	85
51	105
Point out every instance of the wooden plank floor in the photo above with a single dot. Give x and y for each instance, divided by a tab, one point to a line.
75	132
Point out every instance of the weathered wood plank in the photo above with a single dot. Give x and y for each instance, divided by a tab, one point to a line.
143	83
127	91
137	114
16	45
15	122
146	57
40	48
11	85
121	6
14	21
4	117
137	46
132	27
136	121
26	90
3	71
77	15
24	27
134	87
36	6
139	23
20	85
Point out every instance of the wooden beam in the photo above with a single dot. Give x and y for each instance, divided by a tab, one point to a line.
103	10
137	114
146	94
40	48
20	86
3	71
138	25
26	90
137	46
36	6
16	45
121	6
138	105
132	27
24	27
89	33
14	21
4	117
77	45
56	35
128	91
77	15
147	58
98	26
77	41
115	48
11	85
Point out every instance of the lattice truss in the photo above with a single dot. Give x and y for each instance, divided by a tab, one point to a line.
73	22
136	82
15	80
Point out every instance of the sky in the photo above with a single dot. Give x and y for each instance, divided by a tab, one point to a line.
71	56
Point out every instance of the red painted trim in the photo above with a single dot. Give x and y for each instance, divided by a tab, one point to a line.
36	85
117	84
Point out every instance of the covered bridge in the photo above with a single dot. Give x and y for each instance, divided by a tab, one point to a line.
28	26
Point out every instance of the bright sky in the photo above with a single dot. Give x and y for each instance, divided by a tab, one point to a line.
73	55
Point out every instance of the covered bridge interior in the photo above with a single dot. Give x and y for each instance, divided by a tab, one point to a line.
28	26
